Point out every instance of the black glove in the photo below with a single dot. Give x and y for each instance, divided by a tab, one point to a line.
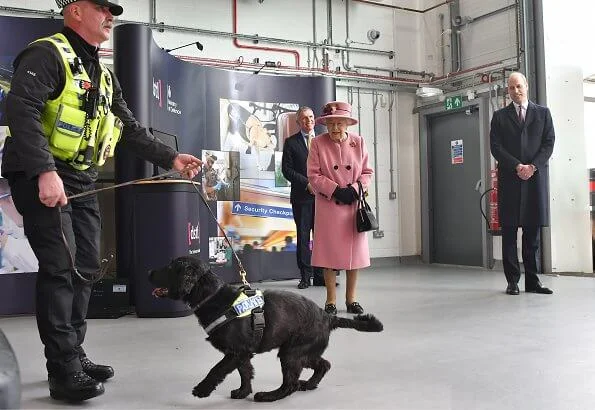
346	195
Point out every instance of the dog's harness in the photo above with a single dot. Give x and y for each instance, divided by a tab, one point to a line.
247	303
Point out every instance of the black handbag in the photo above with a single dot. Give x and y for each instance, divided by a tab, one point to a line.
365	220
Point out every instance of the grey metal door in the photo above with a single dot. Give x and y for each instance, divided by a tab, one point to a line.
455	169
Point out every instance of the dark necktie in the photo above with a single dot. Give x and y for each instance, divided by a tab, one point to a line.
521	114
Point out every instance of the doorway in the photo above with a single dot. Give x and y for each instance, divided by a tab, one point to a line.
455	149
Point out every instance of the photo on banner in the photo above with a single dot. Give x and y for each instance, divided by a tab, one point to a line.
16	255
262	218
221	175
252	129
220	253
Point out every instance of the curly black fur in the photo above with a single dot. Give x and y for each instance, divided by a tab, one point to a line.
295	325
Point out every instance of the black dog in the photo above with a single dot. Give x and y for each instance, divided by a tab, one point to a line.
293	324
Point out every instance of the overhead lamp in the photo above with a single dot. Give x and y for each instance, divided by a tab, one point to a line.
426	92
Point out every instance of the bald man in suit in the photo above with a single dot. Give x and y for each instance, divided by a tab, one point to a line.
293	166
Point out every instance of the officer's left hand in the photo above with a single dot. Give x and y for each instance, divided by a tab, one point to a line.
188	164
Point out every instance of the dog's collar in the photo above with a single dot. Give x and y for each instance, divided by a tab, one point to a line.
242	306
194	307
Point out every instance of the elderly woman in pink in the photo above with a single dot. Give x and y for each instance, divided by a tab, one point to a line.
336	162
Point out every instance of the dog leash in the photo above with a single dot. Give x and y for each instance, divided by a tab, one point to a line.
106	262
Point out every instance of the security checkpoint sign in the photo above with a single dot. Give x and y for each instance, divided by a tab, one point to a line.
456	152
264	211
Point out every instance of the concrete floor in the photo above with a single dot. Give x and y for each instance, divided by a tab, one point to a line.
453	340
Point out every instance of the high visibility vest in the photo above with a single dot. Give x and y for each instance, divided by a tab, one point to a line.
79	124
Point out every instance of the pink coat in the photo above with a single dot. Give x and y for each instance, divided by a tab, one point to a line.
337	244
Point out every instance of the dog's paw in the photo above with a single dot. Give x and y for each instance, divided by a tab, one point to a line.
202	389
240	393
263	396
306	385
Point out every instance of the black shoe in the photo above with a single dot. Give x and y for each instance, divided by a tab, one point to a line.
355	307
330	308
512	289
97	371
77	386
539	289
303	284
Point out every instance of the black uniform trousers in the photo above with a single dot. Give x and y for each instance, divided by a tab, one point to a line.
303	215
61	298
530	252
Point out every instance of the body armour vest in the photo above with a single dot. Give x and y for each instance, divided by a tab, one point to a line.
79	125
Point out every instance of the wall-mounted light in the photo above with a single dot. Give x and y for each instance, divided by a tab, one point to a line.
427	92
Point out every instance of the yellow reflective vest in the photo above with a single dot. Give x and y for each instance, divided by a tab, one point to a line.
79	124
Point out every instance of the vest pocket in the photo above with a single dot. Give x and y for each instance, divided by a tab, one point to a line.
68	131
109	133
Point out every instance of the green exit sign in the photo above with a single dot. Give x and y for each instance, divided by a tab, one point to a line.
453	102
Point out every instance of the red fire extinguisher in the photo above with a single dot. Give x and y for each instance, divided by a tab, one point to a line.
492	219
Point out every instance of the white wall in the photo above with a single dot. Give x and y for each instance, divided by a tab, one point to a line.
565	43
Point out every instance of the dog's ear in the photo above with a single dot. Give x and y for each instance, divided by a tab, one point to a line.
188	276
186	284
203	268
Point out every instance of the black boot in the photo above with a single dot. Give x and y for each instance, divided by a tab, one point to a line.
74	387
97	371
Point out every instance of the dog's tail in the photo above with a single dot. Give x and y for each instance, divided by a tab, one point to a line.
363	323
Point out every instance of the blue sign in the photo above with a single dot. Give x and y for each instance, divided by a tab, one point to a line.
264	211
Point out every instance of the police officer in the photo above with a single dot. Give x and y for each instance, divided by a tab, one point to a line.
65	114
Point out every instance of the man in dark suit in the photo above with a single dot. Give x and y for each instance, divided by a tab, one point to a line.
522	141
293	166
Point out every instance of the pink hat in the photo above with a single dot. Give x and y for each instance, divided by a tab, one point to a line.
336	109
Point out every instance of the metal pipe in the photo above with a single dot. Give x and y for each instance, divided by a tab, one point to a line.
345	53
519	30
442	45
454	38
396	81
375	132
314	40
153	11
540	77
492	13
18	10
182	29
440	79
329	21
359	111
274	49
391	100
396	70
459	51
405	8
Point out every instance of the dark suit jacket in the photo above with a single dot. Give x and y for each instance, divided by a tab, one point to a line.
293	166
521	202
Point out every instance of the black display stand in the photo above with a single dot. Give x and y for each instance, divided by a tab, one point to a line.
162	222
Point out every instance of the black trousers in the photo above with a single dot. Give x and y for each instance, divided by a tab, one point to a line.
61	298
530	252
303	215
